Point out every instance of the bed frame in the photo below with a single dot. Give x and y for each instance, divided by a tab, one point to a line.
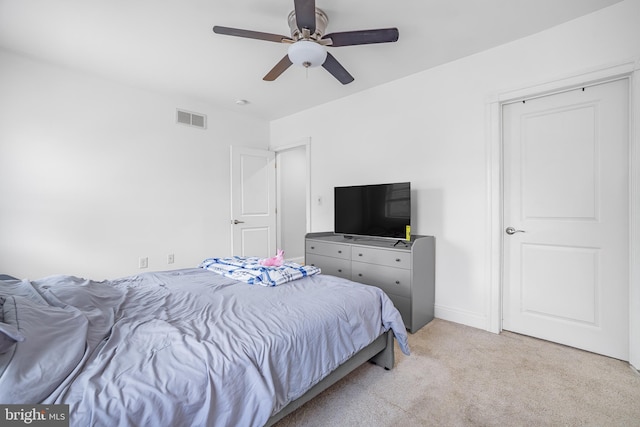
380	352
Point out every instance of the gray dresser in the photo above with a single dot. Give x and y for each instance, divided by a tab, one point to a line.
406	271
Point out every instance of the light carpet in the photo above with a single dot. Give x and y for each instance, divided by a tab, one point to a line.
463	376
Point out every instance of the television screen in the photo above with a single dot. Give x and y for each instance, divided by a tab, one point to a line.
382	210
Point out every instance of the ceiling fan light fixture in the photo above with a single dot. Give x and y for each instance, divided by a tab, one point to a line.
307	53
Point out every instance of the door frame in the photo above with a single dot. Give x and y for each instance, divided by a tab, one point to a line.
495	180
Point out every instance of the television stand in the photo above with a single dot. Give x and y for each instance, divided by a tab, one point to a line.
406	273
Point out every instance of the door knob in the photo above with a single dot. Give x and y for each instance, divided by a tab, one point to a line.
511	230
235	221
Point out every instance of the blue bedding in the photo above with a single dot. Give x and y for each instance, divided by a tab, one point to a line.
185	347
249	270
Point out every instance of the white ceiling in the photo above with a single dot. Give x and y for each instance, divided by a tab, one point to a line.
169	45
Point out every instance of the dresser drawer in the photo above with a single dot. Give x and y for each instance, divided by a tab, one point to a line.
396	281
335	250
386	257
331	266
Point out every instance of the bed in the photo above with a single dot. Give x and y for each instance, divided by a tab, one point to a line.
187	347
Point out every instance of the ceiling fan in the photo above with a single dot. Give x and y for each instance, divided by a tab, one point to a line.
308	41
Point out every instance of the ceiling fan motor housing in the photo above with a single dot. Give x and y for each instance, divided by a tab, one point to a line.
321	26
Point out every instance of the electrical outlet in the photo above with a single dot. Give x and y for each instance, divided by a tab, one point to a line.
143	262
170	259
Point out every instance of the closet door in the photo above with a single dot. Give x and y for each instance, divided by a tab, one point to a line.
566	214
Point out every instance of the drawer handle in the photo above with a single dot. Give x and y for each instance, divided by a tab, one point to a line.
397	259
313	247
339	270
359	274
359	254
339	252
397	282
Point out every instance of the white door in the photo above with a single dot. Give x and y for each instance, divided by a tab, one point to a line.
253	202
566	186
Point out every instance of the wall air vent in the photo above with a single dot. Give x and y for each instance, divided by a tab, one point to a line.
191	119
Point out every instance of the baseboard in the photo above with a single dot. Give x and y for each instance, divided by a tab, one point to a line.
463	317
298	260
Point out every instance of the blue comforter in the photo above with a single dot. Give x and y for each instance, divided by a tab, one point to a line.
186	347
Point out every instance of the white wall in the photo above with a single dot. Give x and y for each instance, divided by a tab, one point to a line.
431	129
94	175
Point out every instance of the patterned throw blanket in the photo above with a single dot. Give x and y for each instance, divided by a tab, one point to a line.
249	270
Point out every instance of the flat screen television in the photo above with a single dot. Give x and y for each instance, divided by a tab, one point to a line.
381	210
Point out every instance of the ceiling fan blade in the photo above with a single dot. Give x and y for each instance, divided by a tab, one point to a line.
350	38
250	34
332	65
306	14
278	69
